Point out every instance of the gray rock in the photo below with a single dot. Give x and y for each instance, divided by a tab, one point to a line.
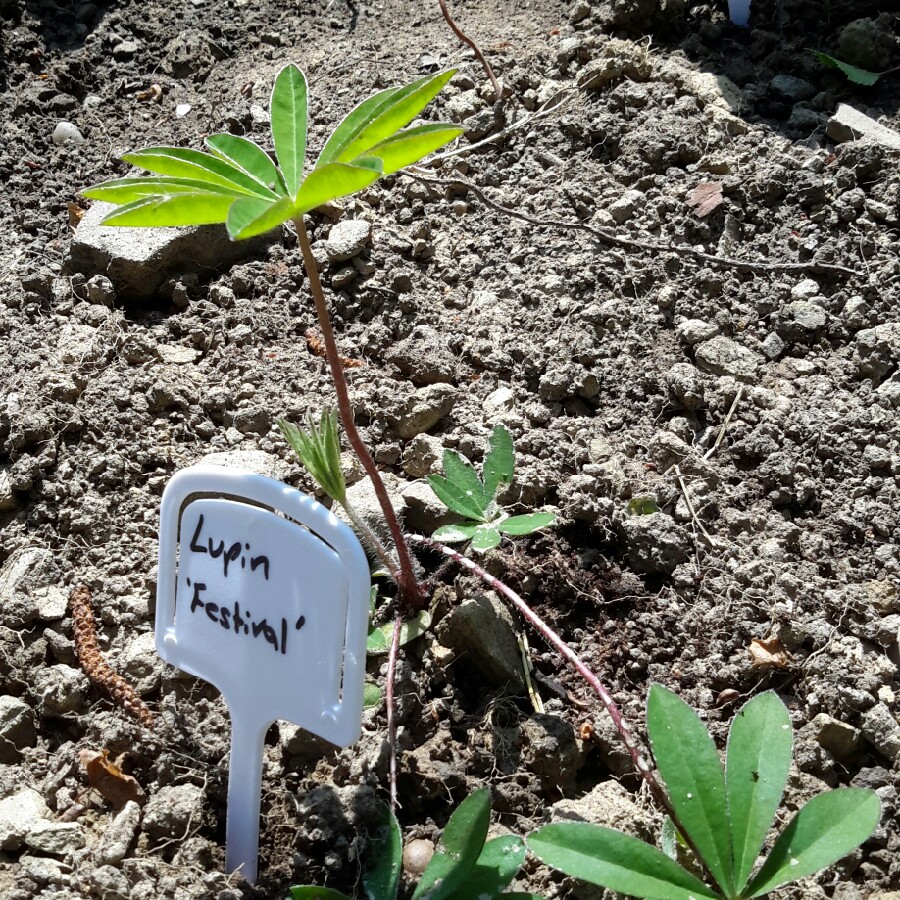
252	460
61	689
56	838
19	813
608	804
421	455
805	290
863	43
624	208
424	512
424	356
655	544
499	402
877	351
51	602
695	331
807	316
172	809
21	576
723	356
838	738
41	869
685	386
125	50
347	239
772	346
551	751
67	133
7	496
882	730
848	124
110	850
803	119
108	882
482	634
138	260
423	409
788	87
16	728
100	290
143	666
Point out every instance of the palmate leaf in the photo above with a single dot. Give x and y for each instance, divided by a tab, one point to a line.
379	640
460	473
499	463
288	113
379	117
251	216
485	538
689	764
157	211
497	865
615	861
830	826
458	850
756	769
182	162
453	534
455	498
517	525
248	157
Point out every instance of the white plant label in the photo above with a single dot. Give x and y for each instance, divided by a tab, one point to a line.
265	594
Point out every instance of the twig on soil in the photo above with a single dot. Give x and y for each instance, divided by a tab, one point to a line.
693	512
391	709
93	663
723	429
470	43
606	236
644	769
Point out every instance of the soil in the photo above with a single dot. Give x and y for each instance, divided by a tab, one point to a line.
719	440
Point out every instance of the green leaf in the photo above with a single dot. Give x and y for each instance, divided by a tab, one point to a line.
411	145
615	861
127	190
854	73
687	760
371	695
458	850
184	163
829	827
249	158
178	209
384	857
525	524
312	892
454	497
486	537
463	476
497	865
453	534
668	839
330	182
522	895
287	111
756	770
318	449
379	117
251	216
379	640
499	462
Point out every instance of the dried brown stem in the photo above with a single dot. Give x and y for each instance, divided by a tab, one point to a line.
93	663
470	43
410	594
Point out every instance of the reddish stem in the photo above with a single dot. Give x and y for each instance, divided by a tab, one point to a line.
410	595
470	43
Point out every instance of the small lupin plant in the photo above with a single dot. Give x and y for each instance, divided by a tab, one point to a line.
464	865
461	490
239	184
725	816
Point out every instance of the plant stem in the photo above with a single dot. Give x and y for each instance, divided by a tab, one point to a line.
410	594
370	539
392	710
644	769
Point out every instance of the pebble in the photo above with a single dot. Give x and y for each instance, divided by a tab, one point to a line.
19	814
67	133
100	290
347	239
792	88
110	850
61	689
805	290
877	351
56	838
655	544
723	356
694	331
624	208
424	512
423	409
171	809
808	316
125	50
7	495
849	124
500	401
16	728
421	455
882	731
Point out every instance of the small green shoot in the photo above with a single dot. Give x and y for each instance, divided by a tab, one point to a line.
464	866
461	490
725	814
319	450
853	73
237	182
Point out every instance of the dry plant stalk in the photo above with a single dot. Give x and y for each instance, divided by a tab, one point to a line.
93	663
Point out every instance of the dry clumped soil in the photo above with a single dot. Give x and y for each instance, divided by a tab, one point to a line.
720	441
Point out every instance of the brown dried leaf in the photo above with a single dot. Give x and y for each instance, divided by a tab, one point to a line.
153	94
769	653
705	198
107	778
76	213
